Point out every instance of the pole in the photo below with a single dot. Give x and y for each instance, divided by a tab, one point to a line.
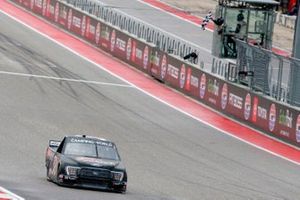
296	45
295	73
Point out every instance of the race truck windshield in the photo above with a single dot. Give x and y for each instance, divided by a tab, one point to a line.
90	148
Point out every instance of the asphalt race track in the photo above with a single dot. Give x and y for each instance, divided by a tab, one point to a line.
164	21
185	30
168	155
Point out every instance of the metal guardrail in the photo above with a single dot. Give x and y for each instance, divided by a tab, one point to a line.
165	41
226	70
257	68
264	71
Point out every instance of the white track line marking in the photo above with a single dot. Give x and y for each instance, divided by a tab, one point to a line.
64	79
162	30
9	195
158	99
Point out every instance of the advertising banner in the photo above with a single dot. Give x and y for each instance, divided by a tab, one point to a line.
62	17
158	64
118	44
211	91
52	9
76	22
26	3
45	8
92	29
139	55
275	119
37	6
260	112
193	82
106	34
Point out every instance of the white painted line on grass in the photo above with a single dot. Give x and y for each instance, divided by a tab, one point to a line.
158	99
64	79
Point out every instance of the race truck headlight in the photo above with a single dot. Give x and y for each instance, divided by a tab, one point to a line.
117	176
72	171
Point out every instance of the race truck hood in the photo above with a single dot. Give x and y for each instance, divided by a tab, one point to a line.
95	162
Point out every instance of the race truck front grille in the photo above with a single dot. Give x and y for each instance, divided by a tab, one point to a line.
88	173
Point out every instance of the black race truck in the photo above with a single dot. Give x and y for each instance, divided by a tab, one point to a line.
84	161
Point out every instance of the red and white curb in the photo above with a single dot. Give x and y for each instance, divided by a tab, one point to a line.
8	195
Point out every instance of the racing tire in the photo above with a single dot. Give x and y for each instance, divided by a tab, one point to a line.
47	175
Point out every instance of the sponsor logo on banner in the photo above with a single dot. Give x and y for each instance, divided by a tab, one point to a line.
105	33
173	71
213	87
128	49
98	31
254	112
298	129
155	59
202	86
44	7
194	81
138	53
70	17
164	65
77	22
182	76
121	44
272	117
146	57
51	9
62	19
89	28
247	106
31	4
38	3
262	113
134	51
112	40
83	25
224	97
188	79
236	101
92	29
56	12
285	118
284	133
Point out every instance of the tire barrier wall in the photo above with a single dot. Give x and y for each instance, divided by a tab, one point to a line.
274	118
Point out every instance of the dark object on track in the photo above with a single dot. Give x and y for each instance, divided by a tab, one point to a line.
84	161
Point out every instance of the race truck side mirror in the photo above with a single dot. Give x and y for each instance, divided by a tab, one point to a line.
54	143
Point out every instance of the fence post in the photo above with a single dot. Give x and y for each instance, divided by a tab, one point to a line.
279	81
213	65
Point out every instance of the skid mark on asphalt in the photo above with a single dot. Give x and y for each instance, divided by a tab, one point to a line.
64	79
178	102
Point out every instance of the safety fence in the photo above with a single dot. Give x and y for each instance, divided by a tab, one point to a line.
274	118
226	70
273	75
163	40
